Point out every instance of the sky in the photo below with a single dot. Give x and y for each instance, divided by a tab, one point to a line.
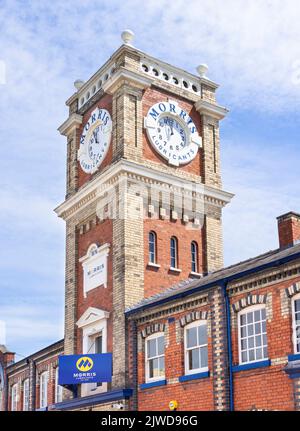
252	49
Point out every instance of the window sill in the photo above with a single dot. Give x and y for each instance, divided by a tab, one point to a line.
195	376
195	274
294	357
153	265
251	365
153	384
175	269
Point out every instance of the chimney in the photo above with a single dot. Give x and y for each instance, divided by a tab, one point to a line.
288	229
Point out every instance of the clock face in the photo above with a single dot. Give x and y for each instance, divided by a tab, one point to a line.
172	133
95	140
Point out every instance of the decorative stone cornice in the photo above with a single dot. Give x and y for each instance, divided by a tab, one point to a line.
125	76
74	121
249	300
143	174
191	317
152	329
210	109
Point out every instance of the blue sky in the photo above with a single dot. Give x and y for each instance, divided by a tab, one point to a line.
252	49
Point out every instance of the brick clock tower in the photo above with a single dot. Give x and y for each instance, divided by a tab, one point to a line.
143	207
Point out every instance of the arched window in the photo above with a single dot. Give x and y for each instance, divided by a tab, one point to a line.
253	344
152	247
26	395
44	389
194	256
296	322
174	252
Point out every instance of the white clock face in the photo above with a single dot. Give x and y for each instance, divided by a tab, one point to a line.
172	133
95	140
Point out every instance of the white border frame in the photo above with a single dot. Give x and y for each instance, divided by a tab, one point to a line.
44	373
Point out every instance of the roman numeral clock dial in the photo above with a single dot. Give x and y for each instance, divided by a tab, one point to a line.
172	133
95	140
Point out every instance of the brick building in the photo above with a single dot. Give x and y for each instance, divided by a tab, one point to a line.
144	258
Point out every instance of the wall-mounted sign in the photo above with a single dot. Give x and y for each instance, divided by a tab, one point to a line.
172	133
94	265
95	140
78	369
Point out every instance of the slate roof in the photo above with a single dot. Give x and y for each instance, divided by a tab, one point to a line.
239	270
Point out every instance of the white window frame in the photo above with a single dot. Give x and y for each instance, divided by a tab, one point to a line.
196	269
294	299
26	395
14	397
58	388
147	378
154	261
246	310
186	349
44	378
176	266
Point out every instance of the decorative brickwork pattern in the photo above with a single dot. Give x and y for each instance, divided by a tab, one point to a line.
151	329
191	317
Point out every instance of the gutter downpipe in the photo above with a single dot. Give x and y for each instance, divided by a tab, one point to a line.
229	345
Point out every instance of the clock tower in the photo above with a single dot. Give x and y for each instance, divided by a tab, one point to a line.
144	198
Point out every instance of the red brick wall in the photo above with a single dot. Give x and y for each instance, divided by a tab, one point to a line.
106	103
191	395
152	96
269	387
99	297
156	280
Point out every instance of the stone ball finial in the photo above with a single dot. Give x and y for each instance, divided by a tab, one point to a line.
78	84
202	70
127	36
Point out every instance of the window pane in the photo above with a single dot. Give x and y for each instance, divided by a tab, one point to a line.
243	319
251	355
257	328
192	337
265	352
153	368
202	334
263	313
257	315
250	330
151	349
203	356
244	332
263	326
244	344
249	317
251	342
160	345
162	366
258	353
244	357
258	340
193	359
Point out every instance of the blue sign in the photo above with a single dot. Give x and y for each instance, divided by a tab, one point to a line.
78	369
